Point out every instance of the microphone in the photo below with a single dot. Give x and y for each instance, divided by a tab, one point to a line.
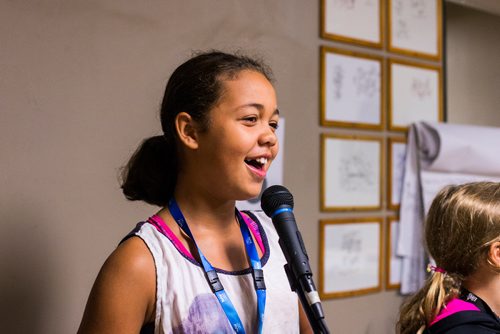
277	203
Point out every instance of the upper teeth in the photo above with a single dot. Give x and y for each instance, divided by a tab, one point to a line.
261	161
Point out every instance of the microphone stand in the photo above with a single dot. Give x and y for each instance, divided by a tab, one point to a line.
314	315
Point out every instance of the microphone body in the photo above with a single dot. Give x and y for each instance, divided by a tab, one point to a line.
277	203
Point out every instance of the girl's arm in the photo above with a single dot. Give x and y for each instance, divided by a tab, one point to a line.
305	327
123	296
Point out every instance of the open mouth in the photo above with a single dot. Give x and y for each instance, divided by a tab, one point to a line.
258	163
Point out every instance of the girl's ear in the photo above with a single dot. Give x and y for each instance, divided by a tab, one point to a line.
493	259
494	255
186	130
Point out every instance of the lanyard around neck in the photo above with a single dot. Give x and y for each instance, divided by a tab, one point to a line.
213	277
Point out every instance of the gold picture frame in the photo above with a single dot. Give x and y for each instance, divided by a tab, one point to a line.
416	29
415	94
352	89
353	22
350	257
351	172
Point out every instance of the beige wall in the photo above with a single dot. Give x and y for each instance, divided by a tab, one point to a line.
80	85
473	66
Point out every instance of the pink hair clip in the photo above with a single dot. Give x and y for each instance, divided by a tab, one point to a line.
436	269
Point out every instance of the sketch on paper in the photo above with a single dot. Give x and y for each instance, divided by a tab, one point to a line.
356	21
367	81
355	173
351	86
344	4
353	4
402	29
407	11
350	246
414	26
337	82
415	94
421	87
350	255
410	10
351	173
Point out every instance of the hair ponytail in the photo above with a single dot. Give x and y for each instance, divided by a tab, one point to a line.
150	175
442	288
424	306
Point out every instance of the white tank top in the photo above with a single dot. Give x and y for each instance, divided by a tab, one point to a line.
186	304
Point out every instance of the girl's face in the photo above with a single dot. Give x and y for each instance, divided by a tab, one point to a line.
237	149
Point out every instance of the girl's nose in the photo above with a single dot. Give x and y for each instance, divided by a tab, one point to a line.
268	137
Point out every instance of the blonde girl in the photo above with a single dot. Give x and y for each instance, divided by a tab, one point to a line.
462	235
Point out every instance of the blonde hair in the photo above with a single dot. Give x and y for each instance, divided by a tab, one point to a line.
462	223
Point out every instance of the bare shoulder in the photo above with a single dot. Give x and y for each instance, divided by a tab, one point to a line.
131	257
123	296
130	265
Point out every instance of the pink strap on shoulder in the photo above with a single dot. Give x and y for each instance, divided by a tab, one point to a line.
254	229
163	228
454	306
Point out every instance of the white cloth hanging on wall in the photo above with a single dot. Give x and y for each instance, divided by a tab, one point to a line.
438	154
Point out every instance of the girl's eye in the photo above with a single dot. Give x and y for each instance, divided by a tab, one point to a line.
274	125
250	119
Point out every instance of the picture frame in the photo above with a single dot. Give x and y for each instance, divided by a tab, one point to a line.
353	21
415	94
396	155
351	172
415	28
350	257
393	263
352	89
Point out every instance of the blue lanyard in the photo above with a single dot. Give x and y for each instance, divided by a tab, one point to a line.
213	277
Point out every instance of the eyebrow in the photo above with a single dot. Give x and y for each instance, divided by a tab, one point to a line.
259	107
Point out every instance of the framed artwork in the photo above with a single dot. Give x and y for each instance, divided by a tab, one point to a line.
396	152
393	263
415	28
350	257
350	172
351	89
415	94
352	21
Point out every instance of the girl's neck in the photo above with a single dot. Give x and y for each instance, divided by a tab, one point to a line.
486	285
204	212
214	227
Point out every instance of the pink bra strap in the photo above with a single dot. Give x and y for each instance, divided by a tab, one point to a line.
163	228
254	229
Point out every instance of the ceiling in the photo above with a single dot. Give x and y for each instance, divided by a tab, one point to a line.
490	6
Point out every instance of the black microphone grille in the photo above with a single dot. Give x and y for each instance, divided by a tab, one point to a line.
273	197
